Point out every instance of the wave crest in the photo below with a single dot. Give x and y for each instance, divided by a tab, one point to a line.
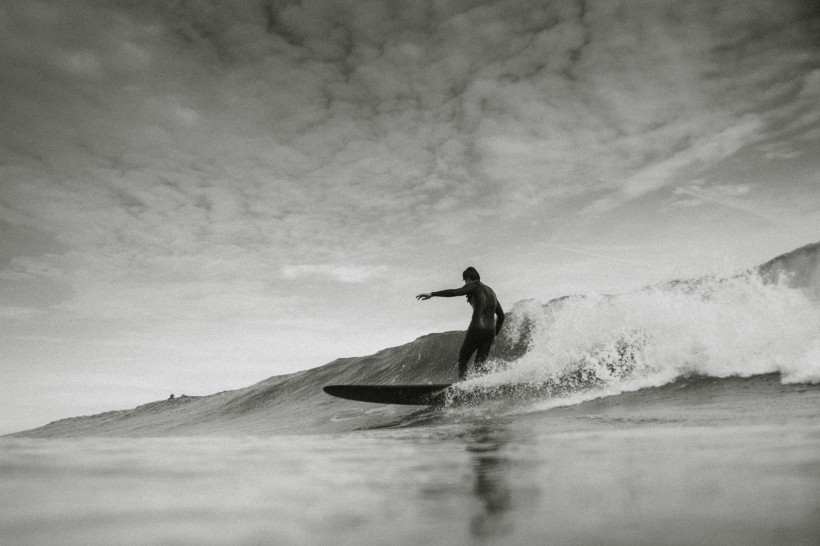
583	346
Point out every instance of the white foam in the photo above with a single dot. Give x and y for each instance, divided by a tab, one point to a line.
586	347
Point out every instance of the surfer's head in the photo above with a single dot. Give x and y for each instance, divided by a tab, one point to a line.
470	274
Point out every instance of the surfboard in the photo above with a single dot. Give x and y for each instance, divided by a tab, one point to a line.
412	395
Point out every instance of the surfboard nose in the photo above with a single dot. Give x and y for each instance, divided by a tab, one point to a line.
414	395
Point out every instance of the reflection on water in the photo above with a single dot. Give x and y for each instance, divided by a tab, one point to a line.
474	483
490	465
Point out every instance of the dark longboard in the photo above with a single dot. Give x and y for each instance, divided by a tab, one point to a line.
413	395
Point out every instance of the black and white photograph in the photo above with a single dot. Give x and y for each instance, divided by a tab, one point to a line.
402	272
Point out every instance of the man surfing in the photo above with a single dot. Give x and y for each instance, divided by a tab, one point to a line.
483	326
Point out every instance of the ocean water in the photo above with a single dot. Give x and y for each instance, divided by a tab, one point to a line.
577	477
686	413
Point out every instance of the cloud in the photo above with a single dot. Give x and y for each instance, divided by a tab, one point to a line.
600	256
520	106
18	313
695	158
731	196
345	274
214	142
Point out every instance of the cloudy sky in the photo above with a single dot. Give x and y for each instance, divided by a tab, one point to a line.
199	194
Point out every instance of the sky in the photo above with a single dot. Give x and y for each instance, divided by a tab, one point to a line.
198	195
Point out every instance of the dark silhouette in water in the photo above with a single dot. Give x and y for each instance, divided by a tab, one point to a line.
483	325
486	447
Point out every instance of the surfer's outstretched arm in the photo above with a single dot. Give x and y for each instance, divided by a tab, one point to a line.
468	288
499	313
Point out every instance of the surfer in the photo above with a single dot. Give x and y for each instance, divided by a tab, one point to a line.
483	326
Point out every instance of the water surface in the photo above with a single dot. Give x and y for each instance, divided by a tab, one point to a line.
519	480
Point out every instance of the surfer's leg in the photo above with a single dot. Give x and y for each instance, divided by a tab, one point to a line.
484	346
468	347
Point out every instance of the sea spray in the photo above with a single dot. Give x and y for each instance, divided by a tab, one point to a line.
593	345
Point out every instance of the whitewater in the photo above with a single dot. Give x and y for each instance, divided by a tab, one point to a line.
681	413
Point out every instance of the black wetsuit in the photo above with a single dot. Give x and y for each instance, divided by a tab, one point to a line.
483	326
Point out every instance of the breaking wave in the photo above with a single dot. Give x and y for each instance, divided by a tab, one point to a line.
760	322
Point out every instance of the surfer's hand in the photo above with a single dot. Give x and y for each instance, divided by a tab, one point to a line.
424	296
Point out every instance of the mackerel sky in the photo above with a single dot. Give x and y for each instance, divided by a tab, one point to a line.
197	195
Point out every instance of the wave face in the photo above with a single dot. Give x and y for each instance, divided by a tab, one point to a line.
761	322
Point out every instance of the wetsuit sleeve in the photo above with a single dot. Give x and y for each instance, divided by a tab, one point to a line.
500	317
463	291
